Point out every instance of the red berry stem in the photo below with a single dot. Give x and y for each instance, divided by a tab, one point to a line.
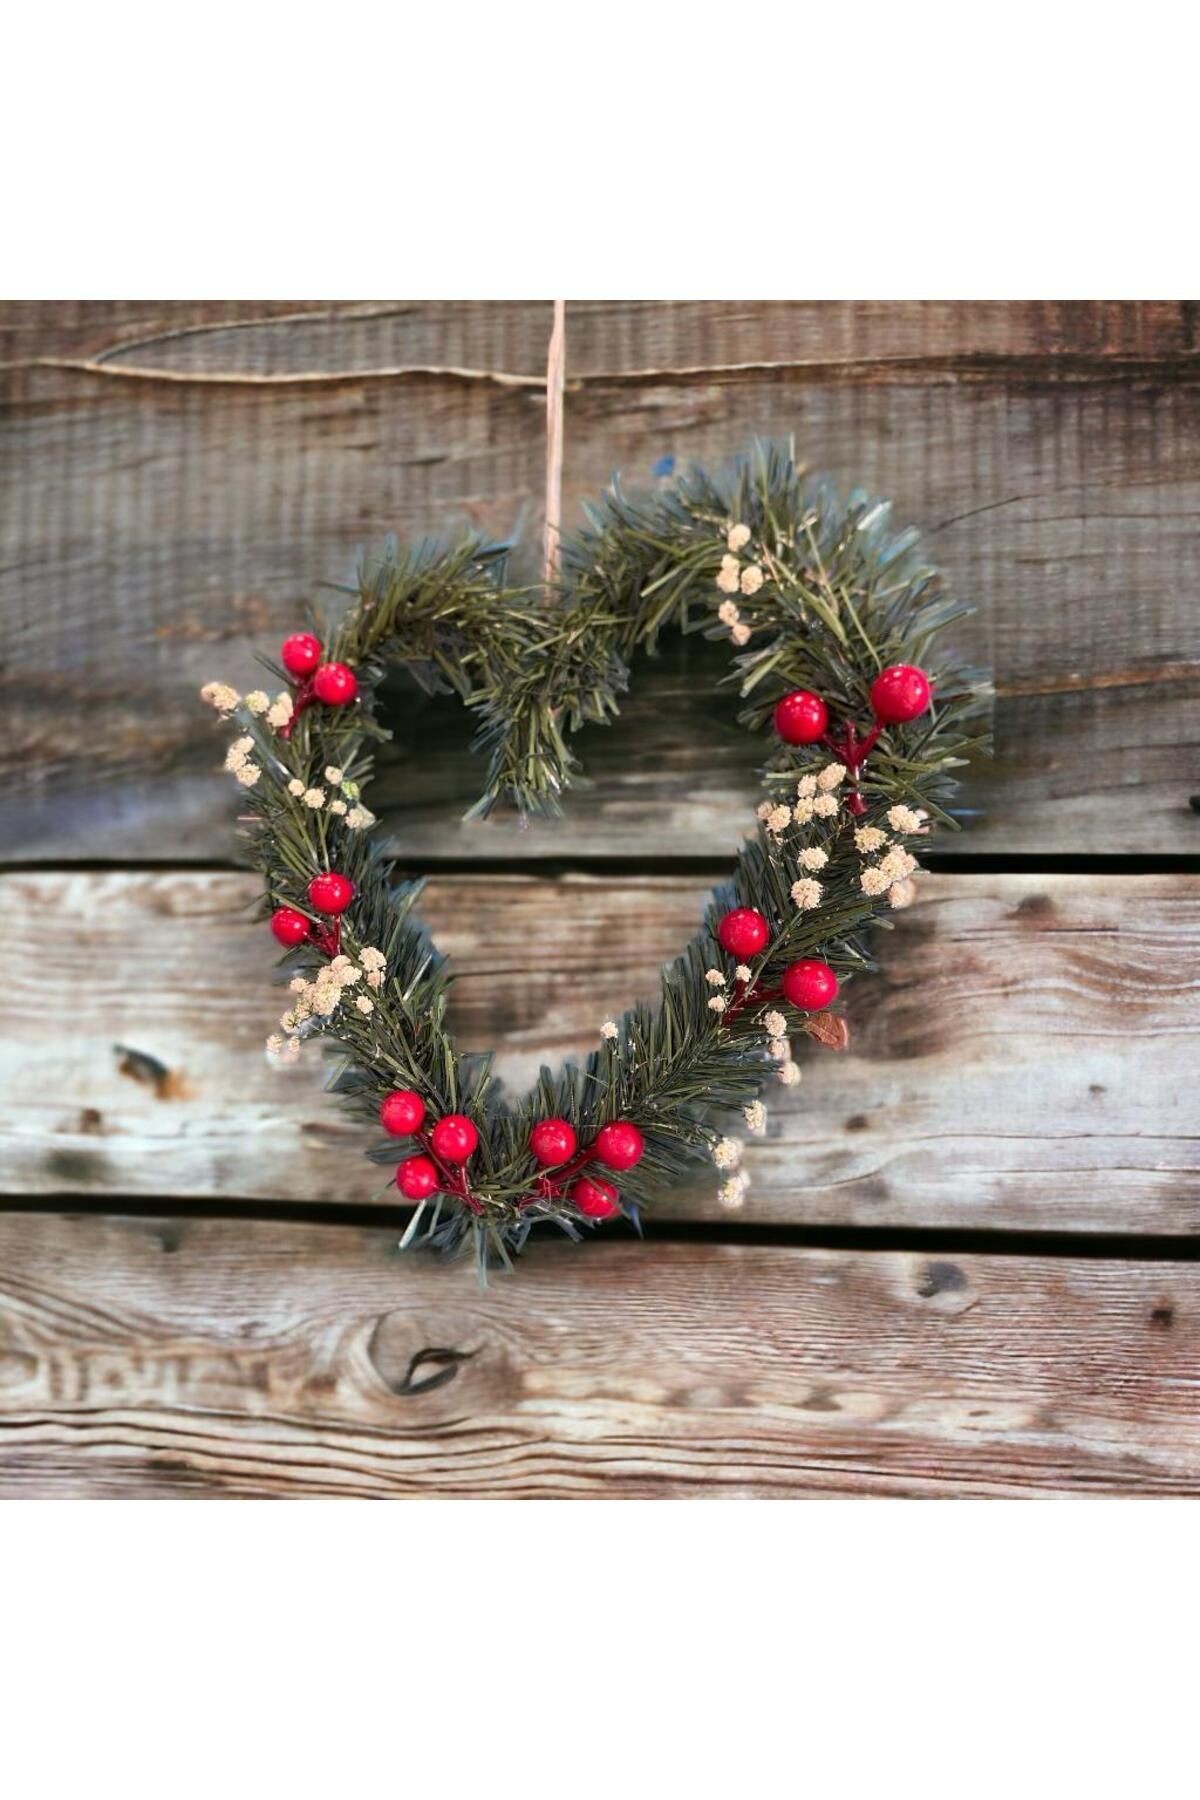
451	1180
302	696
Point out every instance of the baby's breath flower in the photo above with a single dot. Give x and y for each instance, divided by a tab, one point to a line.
752	579
825	806
727	1153
375	978
219	695
295	787
338	807
742	972
812	858
832	775
247	774
806	893
315	798
358	817
902	894
326	995
806	787
297	984
729	575
609	1029
779	1049
755	1115
738	537
370	958
732	1193
365	1004
718	1003
715	977
274	1043
873	881
280	711
789	1074
348	977
775	1024
740	634
728	612
803	810
779	818
869	837
763	811
234	757
333	776
256	701
906	818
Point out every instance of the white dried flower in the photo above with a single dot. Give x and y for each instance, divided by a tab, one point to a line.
825	806
752	579
812	858
338	807
370	958
742	972
297	984
727	1153
802	812
764	810
247	774
728	612
775	1025
375	978
219	695
898	865
906	818
729	575
806	787
359	817
806	893
326	995
718	1003
274	1043
832	775
235	757
869	837
873	881
280	711
314	798
333	776
779	818
609	1029
755	1115
740	635
902	894
738	537
732	1193
348	977
256	702
779	1049
295	787
789	1074
715	977
365	1004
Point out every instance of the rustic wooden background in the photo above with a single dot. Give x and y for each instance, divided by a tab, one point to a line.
968	1263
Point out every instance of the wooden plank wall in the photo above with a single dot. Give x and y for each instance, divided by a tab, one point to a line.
966	1262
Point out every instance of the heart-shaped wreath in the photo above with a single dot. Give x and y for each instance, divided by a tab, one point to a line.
835	620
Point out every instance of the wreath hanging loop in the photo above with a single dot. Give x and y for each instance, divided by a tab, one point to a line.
836	626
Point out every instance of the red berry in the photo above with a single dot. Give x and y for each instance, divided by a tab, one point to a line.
301	653
619	1145
552	1141
402	1112
290	927
330	893
901	693
809	984
417	1178
595	1199
453	1138
335	684
743	932
801	717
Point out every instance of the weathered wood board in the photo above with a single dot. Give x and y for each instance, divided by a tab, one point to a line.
1028	1059
168	505
185	1359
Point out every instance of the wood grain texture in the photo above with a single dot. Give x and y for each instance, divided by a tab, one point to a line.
204	1360
154	532
1028	1057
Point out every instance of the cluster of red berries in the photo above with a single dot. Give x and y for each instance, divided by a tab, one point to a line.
553	1143
333	683
810	985
329	894
899	695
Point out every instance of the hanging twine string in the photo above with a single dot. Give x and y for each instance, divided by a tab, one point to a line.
555	374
